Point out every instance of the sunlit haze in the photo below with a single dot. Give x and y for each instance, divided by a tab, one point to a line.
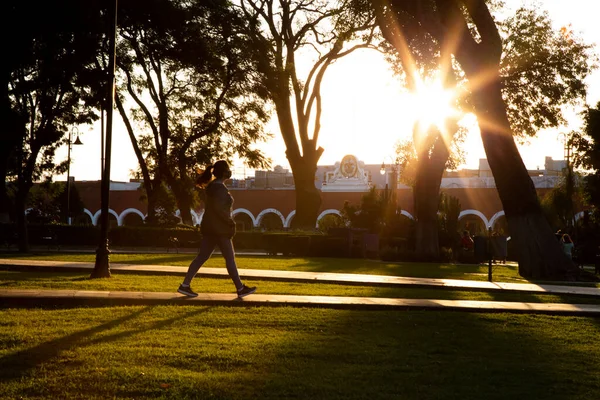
365	112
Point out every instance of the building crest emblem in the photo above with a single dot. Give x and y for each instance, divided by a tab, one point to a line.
349	166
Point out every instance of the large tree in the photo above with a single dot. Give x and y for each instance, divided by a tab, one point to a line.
47	89
586	145
542	70
188	84
467	31
296	36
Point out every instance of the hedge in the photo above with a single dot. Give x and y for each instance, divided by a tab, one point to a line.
298	243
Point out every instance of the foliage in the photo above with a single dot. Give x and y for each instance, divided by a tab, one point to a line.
330	221
559	203
586	155
448	211
46	90
187	74
48	203
165	207
319	31
271	222
543	70
466	37
586	145
378	212
48	85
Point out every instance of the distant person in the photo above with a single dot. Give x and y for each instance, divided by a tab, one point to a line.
559	235
567	245
466	242
217	228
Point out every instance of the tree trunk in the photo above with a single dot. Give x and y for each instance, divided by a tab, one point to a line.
10	137
304	168
426	198
539	253
308	197
151	199
428	180
20	199
184	203
426	239
4	202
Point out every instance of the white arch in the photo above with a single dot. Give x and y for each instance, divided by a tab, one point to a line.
96	216
121	218
495	218
464	213
247	212
579	215
195	218
266	211
407	214
89	214
326	212
288	220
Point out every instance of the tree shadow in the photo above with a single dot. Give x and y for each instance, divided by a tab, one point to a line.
14	366
433	355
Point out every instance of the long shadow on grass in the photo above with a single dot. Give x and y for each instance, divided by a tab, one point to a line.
19	364
435	355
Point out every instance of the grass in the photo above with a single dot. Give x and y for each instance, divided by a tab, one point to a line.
477	272
195	352
166	283
504	273
183	352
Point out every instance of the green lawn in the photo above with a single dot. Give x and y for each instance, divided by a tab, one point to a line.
166	283
190	352
503	273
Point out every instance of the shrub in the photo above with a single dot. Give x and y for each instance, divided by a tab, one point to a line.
446	254
388	254
153	236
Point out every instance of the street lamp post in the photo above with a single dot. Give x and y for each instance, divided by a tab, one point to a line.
565	138
76	142
393	177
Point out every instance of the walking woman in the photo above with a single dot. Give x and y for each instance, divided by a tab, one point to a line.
217	228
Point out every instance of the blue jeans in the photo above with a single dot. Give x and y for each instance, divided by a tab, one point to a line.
207	246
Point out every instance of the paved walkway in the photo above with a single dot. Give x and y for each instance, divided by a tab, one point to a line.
41	298
322	277
70	298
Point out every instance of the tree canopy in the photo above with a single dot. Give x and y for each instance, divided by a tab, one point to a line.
188	91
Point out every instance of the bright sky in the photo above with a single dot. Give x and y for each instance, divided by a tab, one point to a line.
364	113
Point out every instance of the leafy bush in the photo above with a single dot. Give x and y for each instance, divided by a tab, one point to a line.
446	254
331	221
388	254
74	235
153	236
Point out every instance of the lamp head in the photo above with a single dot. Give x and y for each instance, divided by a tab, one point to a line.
382	170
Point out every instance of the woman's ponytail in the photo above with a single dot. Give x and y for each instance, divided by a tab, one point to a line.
205	177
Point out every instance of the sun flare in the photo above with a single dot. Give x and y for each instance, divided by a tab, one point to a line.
432	104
